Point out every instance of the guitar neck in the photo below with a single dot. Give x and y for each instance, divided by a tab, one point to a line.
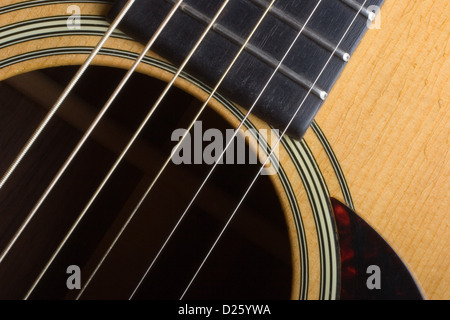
319	39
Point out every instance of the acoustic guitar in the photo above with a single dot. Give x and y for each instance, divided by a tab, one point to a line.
120	122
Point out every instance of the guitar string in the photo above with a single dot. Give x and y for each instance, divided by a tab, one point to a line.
180	220
50	115
104	110
270	155
41	127
205	104
216	88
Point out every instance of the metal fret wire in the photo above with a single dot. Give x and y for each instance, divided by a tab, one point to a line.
89	132
268	157
50	115
64	95
175	228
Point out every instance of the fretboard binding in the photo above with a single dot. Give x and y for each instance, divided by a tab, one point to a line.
297	25
356	6
253	50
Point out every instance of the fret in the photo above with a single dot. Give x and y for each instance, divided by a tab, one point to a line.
356	6
297	25
244	82
255	51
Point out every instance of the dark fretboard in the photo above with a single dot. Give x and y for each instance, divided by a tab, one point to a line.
295	79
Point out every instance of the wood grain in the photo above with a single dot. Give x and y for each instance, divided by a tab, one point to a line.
387	120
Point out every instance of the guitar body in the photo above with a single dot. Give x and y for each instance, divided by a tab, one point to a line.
379	143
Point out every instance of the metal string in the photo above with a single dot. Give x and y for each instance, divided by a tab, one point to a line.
86	136
270	155
210	96
135	136
175	228
179	144
64	95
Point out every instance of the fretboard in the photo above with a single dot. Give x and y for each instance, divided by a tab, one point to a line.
330	31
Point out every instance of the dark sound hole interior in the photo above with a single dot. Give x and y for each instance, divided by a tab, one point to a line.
251	261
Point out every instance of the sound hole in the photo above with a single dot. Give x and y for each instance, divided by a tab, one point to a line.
252	261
